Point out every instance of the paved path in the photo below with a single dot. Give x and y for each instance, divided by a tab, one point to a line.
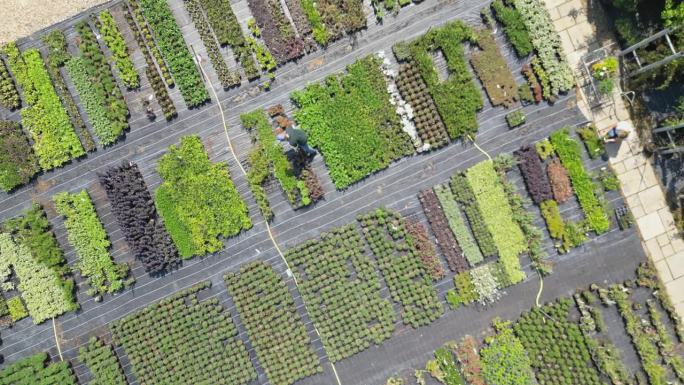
581	30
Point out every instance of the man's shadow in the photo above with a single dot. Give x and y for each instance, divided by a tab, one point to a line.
298	160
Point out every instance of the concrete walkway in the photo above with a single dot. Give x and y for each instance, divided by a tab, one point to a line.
582	30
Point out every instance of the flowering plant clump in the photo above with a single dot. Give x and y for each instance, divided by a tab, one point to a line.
605	71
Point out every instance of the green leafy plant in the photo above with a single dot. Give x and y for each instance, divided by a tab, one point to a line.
102	363
170	39
57	56
569	154
547	45
514	27
609	181
504	359
592	140
498	217
464	195
198	200
492	69
458	225
544	148
117	46
146	40
515	118
43	289
457	98
16	308
9	97
350	119
54	140
37	369
88	236
97	88
18	163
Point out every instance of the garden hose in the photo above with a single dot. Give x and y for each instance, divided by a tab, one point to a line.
54	329
268	227
479	148
541	287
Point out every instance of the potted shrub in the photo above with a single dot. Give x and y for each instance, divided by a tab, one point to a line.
604	73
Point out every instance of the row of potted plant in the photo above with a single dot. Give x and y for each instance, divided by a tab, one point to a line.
54	140
201	332
137	217
275	329
38	369
56	58
9	97
117	47
151	71
458	225
322	268
492	70
395	251
276	30
102	363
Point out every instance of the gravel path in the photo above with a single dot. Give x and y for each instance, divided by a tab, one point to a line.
24	17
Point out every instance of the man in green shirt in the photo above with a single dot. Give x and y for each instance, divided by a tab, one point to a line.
296	137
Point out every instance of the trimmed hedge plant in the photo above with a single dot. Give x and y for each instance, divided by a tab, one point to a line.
102	363
37	369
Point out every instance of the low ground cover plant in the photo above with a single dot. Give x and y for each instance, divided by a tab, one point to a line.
197	199
425	249
151	72
88	236
56	58
409	283
54	140
205	334
117	46
37	369
560	182
227	77
9	97
534	174
102	363
168	36
463	292
148	41
276	30
465	197
458	225
18	163
457	98
547	45
137	217
504	359
99	93
275	329
558	348
425	115
349	118
469	358
228	32
569	153
322	268
492	69
514	26
498	217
